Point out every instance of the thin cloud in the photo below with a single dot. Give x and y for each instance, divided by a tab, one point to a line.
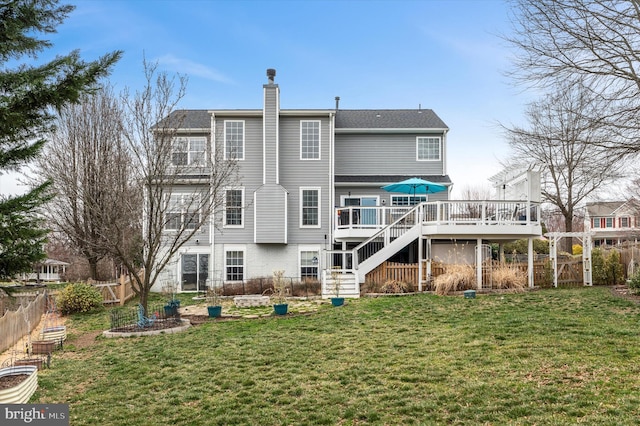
191	68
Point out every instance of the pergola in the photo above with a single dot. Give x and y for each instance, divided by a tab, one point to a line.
585	238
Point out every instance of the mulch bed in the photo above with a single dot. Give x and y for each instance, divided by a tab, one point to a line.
625	292
157	325
7	382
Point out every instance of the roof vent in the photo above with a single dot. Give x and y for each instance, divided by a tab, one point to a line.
271	73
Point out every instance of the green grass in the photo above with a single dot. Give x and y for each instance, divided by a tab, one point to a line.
547	357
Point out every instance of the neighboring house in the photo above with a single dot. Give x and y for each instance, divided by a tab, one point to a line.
310	201
612	222
49	270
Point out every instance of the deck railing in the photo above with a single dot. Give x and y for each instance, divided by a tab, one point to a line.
505	212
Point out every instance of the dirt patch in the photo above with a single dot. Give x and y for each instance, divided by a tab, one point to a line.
624	292
86	340
7	382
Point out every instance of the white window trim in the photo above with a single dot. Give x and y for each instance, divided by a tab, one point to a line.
311	188
188	140
418	148
319	140
314	248
183	211
244	131
394	199
224	210
235	247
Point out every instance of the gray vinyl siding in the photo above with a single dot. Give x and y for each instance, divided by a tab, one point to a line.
296	173
388	154
271	115
270	220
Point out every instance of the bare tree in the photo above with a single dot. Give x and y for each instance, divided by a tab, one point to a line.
597	41
566	147
177	200
85	157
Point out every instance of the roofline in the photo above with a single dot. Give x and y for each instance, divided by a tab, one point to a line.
347	130
283	112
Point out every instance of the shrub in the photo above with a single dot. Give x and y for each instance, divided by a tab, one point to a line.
599	272
78	297
615	270
509	277
634	283
576	249
395	286
456	277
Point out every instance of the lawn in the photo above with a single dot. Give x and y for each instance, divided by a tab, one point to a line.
545	357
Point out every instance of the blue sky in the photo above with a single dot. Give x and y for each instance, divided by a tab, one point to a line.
440	54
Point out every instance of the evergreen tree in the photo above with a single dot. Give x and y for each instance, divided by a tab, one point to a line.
30	95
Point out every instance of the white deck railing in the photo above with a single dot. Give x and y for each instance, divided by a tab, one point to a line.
441	213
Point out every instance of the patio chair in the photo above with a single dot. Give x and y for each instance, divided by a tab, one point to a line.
144	321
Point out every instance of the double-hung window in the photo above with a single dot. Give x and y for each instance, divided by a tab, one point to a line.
310	207
234	208
309	264
233	140
429	148
596	222
609	222
188	151
234	265
183	212
309	140
624	222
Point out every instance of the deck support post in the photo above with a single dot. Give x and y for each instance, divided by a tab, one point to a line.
530	276
479	263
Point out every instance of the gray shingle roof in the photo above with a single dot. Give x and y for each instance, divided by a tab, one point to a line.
345	119
388	119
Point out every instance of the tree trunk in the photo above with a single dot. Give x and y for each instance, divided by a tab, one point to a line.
93	268
567	242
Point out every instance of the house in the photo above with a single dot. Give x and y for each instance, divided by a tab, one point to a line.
612	222
310	200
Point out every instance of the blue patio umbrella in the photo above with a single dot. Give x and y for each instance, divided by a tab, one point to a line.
415	186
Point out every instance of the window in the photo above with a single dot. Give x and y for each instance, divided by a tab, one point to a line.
183	212
609	222
310	140
596	222
234	265
405	200
188	151
310	207
428	149
624	222
234	140
195	271
309	264
233	207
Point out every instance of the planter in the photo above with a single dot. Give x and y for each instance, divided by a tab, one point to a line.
170	310
42	347
38	362
337	301
56	334
281	309
21	392
214	311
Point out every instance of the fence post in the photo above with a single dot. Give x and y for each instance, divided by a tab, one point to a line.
123	290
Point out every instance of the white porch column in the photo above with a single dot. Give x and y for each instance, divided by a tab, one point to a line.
479	263
530	275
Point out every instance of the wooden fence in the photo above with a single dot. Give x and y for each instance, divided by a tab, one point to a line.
17	324
115	292
408	273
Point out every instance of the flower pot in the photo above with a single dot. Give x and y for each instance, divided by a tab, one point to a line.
337	301
214	311
281	309
21	392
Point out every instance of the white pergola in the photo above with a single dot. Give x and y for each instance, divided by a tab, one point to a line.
585	238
